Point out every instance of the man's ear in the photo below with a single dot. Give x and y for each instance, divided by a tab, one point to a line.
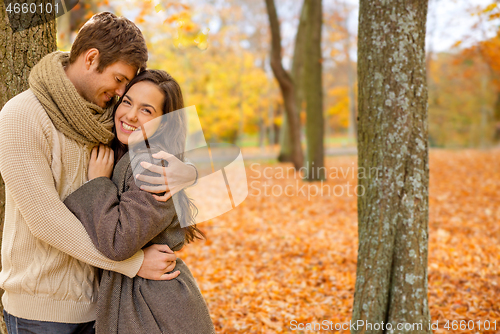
91	58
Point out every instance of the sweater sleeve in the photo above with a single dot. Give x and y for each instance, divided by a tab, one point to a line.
119	226
25	157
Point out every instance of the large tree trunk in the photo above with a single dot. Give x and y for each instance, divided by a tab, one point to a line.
313	92
20	50
286	85
393	214
297	77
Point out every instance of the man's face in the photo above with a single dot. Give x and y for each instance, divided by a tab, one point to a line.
101	88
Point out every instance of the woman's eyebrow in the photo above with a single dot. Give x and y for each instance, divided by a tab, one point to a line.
148	105
142	104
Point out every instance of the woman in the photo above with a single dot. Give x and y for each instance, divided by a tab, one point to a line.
121	219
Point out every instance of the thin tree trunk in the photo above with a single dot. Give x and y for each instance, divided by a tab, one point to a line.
313	92
286	85
353	127
297	77
285	141
496	119
20	50
393	202
270	117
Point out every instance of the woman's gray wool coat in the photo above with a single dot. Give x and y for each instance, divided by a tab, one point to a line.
121	219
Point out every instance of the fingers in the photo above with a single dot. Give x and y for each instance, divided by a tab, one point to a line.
103	155
100	152
111	155
164	249
158	260
152	179
163	198
105	152
167	277
154	189
93	156
153	168
170	267
162	155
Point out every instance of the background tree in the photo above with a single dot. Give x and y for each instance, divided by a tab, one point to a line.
20	50
313	92
353	127
286	85
391	278
339	71
285	154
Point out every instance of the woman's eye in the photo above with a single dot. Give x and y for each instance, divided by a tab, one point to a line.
126	102
147	111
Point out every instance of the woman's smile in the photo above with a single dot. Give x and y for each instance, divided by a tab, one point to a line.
127	127
142	103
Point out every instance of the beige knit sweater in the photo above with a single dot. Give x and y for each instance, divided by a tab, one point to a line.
48	258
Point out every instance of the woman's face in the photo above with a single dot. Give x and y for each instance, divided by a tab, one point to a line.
141	104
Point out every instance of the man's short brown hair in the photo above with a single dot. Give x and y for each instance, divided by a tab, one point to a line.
116	38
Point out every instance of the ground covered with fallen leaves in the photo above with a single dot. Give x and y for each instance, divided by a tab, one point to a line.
289	251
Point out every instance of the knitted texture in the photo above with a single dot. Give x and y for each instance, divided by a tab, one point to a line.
77	118
48	258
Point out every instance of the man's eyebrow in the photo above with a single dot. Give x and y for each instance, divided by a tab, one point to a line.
123	75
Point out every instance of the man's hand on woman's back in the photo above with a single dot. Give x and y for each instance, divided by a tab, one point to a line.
158	261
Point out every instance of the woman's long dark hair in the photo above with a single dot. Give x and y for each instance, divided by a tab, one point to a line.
175	132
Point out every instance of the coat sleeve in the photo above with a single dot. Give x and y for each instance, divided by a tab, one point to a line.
119	226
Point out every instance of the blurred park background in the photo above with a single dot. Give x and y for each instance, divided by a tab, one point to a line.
219	50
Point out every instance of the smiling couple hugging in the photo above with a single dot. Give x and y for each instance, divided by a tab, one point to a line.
84	248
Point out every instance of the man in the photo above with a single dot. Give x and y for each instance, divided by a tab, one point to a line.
48	260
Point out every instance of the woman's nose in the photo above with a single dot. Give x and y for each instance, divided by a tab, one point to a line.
132	115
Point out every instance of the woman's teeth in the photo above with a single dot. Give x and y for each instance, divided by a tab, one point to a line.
128	127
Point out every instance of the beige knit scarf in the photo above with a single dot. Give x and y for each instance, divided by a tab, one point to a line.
71	114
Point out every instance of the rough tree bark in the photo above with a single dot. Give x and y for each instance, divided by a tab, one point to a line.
391	282
20	49
313	93
286	85
297	77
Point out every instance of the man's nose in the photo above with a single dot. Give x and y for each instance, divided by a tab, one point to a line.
120	90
